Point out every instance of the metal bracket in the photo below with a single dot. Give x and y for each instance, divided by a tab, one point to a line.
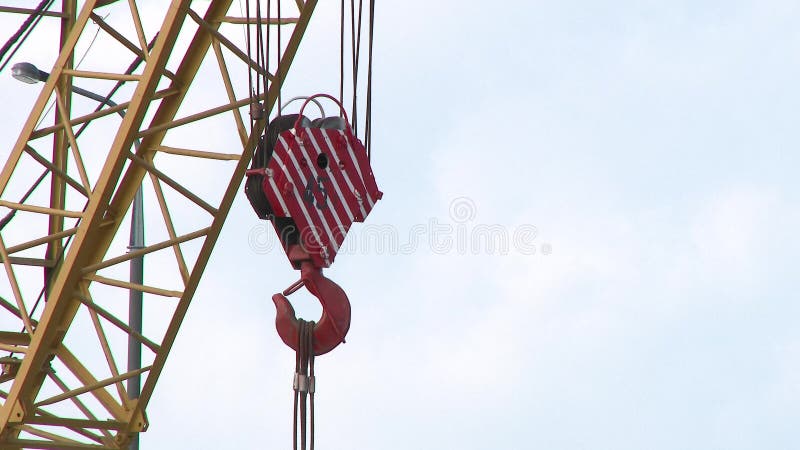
17	412
304	383
138	422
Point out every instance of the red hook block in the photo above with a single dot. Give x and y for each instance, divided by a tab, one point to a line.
332	327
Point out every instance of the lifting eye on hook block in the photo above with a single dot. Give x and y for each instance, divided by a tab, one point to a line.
332	327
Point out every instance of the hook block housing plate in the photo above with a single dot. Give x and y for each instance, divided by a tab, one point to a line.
322	179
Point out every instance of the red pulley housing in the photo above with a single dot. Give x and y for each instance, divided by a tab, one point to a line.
322	179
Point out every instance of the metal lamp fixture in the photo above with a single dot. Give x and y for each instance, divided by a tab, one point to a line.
28	73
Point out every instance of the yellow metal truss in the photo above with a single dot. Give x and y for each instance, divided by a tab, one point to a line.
57	242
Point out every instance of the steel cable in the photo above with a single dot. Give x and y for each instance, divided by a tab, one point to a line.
341	55
370	37
304	387
23	29
280	57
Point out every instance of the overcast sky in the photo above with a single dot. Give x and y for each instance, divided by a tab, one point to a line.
639	157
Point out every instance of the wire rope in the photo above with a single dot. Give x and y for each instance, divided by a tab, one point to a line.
371	36
30	22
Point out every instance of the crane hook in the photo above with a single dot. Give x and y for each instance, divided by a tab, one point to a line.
335	321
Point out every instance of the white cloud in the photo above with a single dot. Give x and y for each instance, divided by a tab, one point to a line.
734	228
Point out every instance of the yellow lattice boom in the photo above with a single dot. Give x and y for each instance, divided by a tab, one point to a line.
63	284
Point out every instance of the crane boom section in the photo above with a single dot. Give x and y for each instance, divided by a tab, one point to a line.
62	385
